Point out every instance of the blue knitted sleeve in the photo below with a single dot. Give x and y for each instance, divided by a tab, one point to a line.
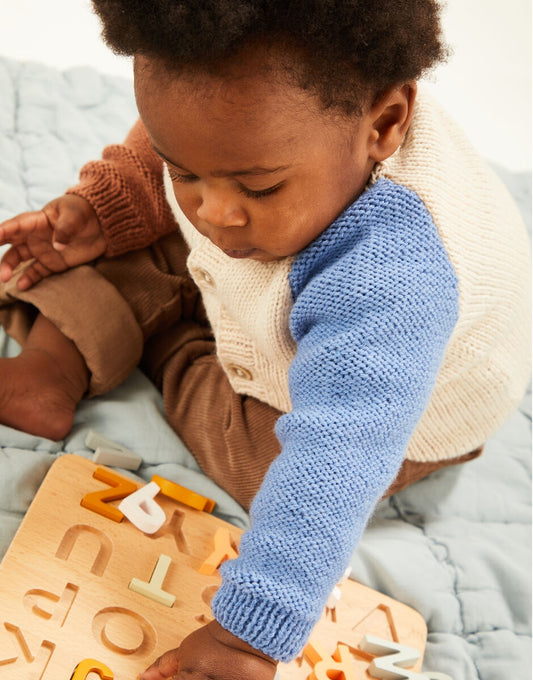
375	302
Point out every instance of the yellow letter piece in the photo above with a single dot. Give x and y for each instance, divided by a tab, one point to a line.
223	551
183	495
325	667
87	666
120	488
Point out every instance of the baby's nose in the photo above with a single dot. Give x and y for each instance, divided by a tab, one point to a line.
220	210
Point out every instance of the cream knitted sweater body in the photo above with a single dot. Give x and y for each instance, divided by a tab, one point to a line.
486	365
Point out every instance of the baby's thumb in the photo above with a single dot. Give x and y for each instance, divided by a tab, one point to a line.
163	668
64	231
64	220
63	234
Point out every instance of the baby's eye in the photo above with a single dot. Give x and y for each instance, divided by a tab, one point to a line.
260	193
182	178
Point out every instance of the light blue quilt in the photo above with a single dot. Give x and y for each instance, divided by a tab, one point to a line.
455	547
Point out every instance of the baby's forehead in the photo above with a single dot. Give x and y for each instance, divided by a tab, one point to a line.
245	95
257	72
237	119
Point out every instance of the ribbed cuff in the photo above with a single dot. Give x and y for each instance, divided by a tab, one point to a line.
123	231
262	624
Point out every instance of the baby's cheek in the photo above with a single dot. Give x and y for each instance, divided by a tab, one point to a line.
189	205
306	230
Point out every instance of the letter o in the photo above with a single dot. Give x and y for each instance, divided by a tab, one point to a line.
123	631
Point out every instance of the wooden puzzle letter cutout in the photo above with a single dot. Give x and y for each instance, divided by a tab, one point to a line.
84	590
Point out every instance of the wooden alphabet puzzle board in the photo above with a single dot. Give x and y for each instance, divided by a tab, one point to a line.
64	595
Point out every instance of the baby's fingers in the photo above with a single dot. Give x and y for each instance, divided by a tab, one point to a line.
32	275
17	229
6	271
11	259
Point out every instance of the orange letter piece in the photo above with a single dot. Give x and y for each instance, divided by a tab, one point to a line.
87	666
96	500
223	551
183	495
325	667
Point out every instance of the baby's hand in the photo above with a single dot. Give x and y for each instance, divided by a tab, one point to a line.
65	233
212	653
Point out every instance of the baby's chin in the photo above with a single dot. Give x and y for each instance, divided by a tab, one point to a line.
253	254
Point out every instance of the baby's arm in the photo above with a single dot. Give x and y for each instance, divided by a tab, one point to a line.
119	205
375	301
127	193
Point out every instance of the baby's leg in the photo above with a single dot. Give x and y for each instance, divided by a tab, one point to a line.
230	435
41	387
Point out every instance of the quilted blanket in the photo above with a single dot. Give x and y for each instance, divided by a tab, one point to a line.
455	546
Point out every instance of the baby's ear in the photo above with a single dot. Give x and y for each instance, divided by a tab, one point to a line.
391	116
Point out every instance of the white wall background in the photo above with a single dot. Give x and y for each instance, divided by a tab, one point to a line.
486	84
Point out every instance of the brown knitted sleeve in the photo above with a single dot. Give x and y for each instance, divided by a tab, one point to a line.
126	190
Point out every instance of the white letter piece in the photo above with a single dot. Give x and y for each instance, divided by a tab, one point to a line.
141	509
129	460
153	589
395	657
123	458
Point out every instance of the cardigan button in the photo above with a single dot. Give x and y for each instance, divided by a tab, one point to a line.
206	277
240	372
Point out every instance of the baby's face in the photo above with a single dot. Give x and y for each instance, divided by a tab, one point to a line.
257	165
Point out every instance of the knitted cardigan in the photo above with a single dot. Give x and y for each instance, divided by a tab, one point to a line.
402	330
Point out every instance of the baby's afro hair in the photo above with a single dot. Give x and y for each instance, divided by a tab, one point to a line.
345	47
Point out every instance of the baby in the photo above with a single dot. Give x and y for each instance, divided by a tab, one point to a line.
307	257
